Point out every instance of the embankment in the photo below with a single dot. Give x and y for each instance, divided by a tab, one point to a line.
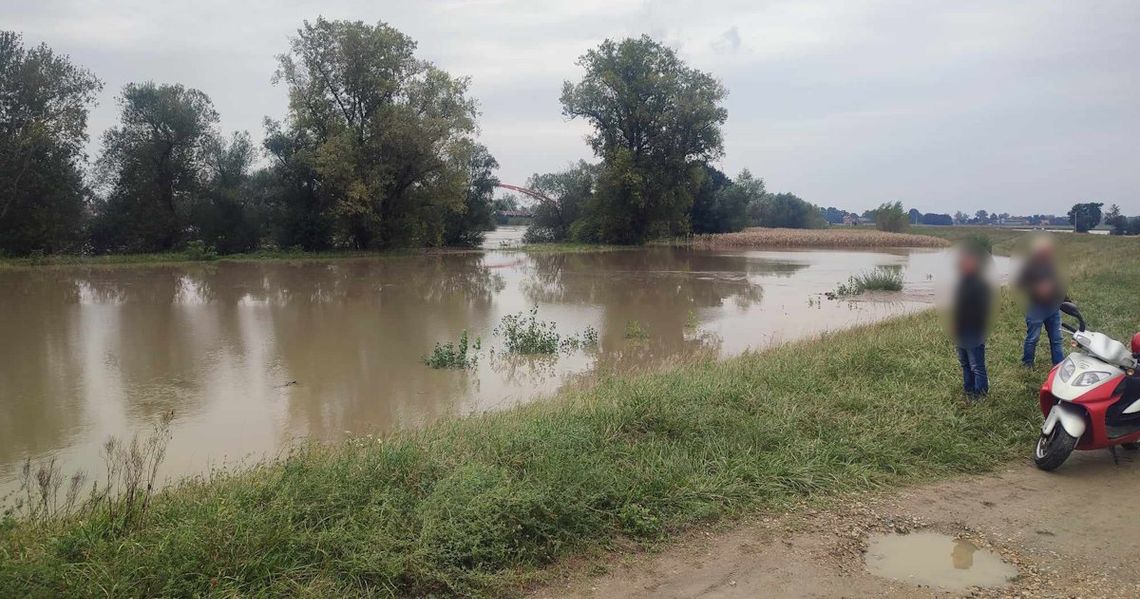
477	506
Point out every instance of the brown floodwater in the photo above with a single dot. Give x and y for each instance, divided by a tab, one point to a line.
251	356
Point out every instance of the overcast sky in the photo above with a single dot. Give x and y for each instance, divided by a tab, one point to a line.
1021	107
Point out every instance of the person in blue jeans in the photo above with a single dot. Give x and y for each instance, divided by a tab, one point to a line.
1043	287
971	311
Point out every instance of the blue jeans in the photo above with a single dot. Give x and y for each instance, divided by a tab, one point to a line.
1051	319
975	380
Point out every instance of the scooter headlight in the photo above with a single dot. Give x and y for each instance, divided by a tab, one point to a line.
1067	368
1090	378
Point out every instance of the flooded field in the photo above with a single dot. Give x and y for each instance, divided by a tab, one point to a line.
250	356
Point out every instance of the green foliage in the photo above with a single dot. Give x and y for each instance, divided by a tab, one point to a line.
153	168
786	210
891	217
979	243
635	330
655	122
382	141
720	204
467	227
44	100
462	354
198	251
1085	216
568	193
524	333
223	215
881	278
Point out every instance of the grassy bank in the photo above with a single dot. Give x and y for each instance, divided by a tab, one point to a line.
477	505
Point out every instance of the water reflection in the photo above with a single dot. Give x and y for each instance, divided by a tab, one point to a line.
252	355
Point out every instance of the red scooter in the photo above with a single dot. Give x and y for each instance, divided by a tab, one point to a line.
1091	400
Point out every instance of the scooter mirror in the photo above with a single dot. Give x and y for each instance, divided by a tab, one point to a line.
1071	309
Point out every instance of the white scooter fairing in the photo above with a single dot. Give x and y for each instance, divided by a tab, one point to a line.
1101	362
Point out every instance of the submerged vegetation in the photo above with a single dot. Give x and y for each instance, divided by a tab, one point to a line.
462	354
524	333
881	278
477	505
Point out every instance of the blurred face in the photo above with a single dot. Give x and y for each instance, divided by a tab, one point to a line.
967	263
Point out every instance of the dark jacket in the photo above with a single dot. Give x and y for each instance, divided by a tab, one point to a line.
971	310
1039	280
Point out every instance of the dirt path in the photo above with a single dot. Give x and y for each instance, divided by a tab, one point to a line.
1073	533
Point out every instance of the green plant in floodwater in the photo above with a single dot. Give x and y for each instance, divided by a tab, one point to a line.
587	339
634	330
199	251
691	321
590	337
463	354
524	333
882	278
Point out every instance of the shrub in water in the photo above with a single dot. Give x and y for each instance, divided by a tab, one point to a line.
882	278
459	355
524	333
634	330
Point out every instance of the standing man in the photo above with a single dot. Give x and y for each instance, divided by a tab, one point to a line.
1043	287
972	298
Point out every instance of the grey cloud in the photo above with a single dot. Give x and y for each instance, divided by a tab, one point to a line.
1016	106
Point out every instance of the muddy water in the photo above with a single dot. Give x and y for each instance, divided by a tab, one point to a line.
931	559
253	355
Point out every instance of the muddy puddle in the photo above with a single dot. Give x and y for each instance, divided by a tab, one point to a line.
936	560
251	356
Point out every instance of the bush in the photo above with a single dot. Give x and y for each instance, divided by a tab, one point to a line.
198	251
459	355
891	217
882	278
524	333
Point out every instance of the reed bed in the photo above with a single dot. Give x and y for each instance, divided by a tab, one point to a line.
816	238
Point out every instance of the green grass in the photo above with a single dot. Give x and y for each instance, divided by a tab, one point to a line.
477	506
881	278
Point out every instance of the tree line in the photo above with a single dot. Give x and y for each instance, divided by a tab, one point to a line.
377	150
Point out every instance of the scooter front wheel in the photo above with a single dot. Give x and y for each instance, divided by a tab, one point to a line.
1054	448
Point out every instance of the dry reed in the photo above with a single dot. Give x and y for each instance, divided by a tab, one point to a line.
816	238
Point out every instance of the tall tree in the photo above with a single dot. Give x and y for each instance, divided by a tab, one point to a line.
787	210
1116	220
153	167
891	217
44	100
222	216
466	228
655	122
387	135
1085	216
569	193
